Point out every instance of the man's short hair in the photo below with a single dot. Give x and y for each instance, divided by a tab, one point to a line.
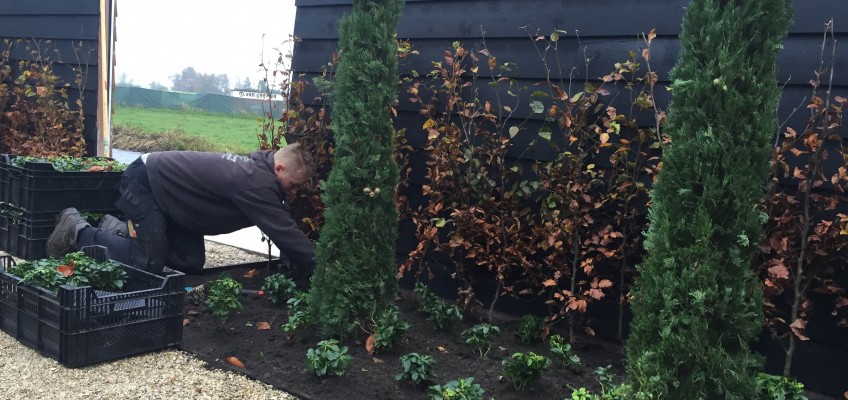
297	159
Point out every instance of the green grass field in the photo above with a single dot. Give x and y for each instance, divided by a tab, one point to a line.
231	134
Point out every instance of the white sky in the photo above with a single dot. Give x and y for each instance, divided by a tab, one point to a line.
157	39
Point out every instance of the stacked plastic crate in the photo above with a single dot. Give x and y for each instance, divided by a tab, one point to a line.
32	194
79	326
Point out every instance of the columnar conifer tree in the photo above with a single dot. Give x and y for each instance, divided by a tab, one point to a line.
355	277
697	304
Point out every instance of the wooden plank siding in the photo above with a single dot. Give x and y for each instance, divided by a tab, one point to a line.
67	25
604	31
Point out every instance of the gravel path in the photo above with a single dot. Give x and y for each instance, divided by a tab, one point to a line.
169	374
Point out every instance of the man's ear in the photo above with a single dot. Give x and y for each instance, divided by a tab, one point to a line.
279	168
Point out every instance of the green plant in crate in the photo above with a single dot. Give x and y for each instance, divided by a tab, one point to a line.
106	275
223	297
74	164
481	336
75	269
530	329
775	387
44	275
460	389
278	288
328	359
389	329
563	352
524	369
415	368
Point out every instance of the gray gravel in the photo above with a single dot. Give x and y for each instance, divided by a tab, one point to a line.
168	374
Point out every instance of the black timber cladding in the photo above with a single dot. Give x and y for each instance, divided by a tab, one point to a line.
67	25
607	29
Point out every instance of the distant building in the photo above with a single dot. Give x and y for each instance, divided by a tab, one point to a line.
255	94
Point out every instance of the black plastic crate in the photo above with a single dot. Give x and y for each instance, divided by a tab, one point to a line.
81	326
5	161
24	234
41	225
38	187
23	247
4	233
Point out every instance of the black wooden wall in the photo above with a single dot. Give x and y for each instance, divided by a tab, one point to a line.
608	29
602	30
64	25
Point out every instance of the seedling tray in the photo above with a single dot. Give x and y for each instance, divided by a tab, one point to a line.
79	326
38	187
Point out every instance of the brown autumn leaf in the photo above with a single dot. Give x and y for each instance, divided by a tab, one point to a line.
252	273
549	282
442	349
186	321
798	327
651	35
235	361
263	326
779	271
370	342
589	331
646	54
66	270
377	360
192	312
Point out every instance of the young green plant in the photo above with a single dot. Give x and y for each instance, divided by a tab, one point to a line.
328	359
563	352
481	336
460	389
278	288
299	316
223	297
775	387
415	368
524	369
530	329
389	329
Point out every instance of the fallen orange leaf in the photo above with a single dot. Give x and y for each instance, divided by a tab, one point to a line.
66	270
252	273
263	326
235	361
370	342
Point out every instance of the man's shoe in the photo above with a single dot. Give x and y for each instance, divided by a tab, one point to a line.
64	236
113	226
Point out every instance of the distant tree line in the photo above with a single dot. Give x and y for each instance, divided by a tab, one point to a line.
197	82
190	80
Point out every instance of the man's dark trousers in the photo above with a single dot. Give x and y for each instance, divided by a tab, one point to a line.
157	241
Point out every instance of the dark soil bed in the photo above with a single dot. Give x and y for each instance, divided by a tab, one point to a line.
278	358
